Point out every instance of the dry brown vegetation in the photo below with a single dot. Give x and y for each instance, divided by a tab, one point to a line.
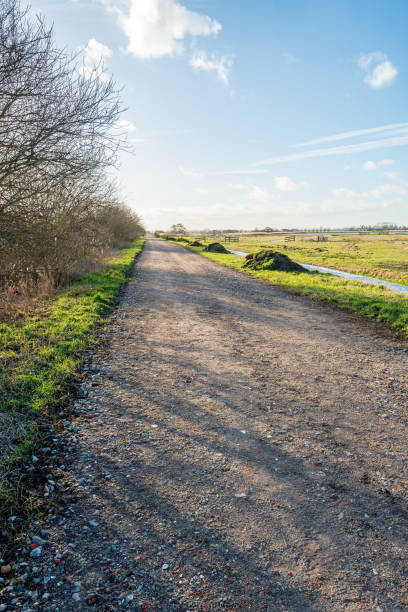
58	211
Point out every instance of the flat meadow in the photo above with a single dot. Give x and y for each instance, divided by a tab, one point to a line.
380	256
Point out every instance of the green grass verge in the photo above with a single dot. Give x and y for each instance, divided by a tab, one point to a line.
41	356
371	301
384	257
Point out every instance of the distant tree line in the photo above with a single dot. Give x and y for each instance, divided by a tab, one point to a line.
57	138
180	230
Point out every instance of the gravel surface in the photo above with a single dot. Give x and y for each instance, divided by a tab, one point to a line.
236	448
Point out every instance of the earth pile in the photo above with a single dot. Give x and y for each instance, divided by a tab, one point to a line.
271	260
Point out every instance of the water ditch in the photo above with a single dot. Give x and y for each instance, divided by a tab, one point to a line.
358	277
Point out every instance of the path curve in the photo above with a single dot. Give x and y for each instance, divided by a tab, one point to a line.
240	449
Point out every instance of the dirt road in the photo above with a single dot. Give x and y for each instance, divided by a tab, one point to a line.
240	449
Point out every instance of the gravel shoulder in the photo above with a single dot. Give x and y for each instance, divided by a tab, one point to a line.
239	448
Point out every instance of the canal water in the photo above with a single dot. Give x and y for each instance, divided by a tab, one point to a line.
358	277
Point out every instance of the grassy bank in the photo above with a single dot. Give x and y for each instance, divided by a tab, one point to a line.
383	256
41	356
371	301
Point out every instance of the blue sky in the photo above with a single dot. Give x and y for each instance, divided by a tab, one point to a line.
284	113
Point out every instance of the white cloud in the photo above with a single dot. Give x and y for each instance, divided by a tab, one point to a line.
372	165
201	191
156	28
221	66
94	56
235	185
378	71
347	201
389	130
343	192
289	58
124	125
185	171
348	149
244	171
391	135
388	189
258	194
189	172
391	176
281	184
336	207
284	183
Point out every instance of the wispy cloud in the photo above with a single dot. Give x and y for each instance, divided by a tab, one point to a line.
343	192
289	58
390	129
388	189
221	65
281	184
378	71
372	165
348	149
391	176
155	28
197	173
244	171
190	172
259	194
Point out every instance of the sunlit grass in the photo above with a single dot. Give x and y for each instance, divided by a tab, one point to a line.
372	301
40	355
383	256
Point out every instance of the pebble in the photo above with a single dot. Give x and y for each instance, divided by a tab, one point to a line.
69	558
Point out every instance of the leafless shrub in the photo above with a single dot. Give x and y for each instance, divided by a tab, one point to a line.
56	140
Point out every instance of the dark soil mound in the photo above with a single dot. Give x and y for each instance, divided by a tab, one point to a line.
216	247
271	260
196	243
186	240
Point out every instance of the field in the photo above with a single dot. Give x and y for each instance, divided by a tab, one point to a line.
41	356
381	256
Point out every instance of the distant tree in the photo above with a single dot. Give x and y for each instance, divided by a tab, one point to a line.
178	228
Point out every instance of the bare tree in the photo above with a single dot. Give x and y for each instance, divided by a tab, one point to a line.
56	140
178	228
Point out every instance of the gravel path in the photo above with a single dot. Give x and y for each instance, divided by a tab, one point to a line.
239	449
